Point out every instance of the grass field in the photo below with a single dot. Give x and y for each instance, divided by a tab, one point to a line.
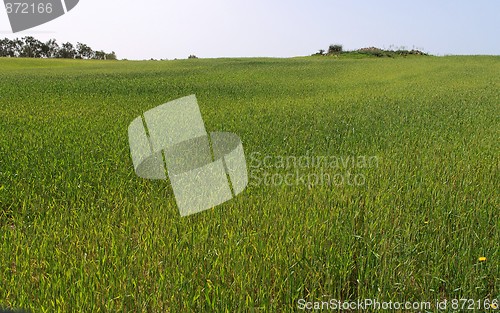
80	232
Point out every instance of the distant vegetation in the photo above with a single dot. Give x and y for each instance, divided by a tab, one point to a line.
29	47
336	49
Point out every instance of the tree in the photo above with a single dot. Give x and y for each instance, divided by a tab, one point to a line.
110	56
335	49
16	46
5	47
50	49
100	55
67	51
31	47
84	51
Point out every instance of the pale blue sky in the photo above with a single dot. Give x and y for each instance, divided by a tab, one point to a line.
281	28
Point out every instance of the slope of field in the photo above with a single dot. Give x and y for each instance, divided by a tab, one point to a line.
79	231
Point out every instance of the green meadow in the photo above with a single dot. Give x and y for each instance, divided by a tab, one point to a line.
402	206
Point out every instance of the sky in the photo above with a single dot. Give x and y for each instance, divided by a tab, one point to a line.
167	29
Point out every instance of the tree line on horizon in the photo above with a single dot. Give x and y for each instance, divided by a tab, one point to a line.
337	49
30	47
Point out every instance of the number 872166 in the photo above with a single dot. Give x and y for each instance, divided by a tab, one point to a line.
26	8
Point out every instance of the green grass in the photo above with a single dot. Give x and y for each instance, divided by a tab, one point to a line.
79	231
